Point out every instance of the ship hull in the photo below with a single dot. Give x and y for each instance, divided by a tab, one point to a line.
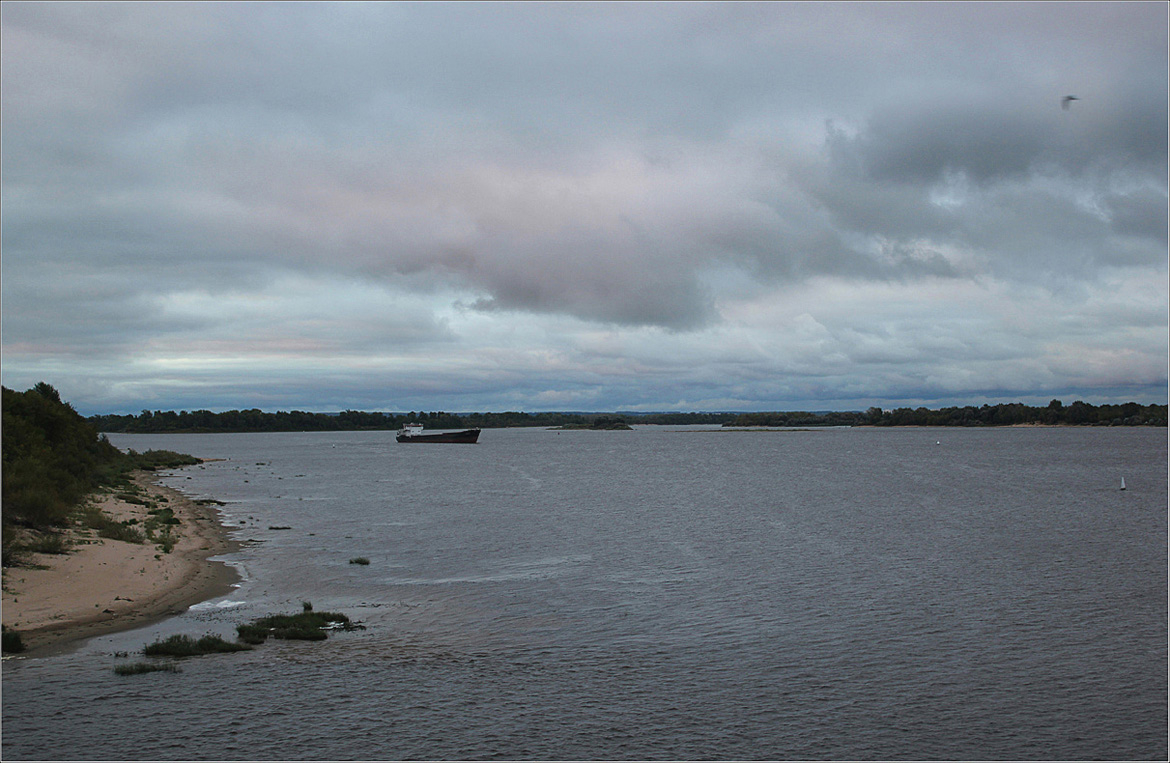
467	436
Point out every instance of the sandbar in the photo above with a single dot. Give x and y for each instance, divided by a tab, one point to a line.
104	585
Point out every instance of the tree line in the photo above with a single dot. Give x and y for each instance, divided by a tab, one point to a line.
255	420
1004	414
1056	413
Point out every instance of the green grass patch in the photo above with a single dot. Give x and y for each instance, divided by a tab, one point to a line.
138	668
186	646
306	626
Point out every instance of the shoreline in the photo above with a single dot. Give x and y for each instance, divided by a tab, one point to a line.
103	586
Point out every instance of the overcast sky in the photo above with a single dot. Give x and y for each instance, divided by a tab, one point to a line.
474	207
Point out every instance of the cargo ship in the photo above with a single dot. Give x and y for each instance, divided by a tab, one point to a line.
414	433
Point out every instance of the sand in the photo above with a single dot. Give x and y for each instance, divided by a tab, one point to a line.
106	585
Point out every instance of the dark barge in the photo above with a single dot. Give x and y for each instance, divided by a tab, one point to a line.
414	433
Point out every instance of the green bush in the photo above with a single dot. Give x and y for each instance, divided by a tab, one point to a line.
10	641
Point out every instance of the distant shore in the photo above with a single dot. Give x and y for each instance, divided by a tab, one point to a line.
103	585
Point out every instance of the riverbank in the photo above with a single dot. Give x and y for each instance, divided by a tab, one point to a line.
104	585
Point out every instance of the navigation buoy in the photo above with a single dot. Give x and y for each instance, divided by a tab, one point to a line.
1123	483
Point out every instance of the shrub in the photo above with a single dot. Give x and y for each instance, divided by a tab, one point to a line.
138	668
10	641
153	460
48	543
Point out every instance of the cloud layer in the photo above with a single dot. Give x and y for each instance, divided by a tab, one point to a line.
651	206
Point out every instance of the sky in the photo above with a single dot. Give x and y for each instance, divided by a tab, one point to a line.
583	206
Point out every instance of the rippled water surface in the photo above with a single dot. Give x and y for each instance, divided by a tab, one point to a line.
665	593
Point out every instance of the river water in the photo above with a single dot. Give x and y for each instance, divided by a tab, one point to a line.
665	593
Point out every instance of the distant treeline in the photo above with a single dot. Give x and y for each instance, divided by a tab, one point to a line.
255	420
1004	414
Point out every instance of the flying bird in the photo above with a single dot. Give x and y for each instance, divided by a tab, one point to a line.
1065	101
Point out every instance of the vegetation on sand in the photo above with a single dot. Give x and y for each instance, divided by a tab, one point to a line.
12	643
53	458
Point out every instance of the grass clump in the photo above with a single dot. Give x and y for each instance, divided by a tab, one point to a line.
49	542
107	527
122	531
160	528
359	560
306	626
138	668
186	646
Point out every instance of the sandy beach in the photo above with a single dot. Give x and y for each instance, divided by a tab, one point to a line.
106	585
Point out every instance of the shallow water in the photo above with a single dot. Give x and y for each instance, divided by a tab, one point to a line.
668	593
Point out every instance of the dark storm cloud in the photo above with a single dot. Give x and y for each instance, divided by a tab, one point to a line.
1009	135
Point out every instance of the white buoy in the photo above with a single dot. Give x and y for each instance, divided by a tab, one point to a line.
1123	483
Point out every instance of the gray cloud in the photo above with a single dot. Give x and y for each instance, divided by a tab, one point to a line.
583	168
